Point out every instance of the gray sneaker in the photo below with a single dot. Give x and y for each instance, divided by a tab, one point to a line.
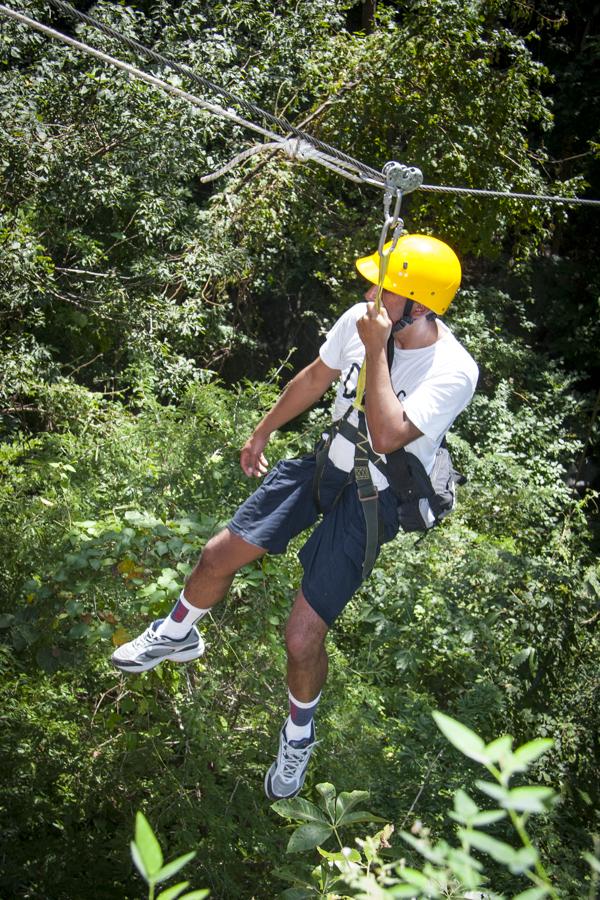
286	776
149	649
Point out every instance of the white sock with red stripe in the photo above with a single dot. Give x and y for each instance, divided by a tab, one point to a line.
180	620
299	724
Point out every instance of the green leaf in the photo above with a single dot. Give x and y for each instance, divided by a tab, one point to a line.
346	801
196	895
173	892
174	866
525	859
138	861
498	850
308	836
528	799
416	878
593	861
147	845
496	791
360	815
534	893
461	737
302	810
346	855
488	816
499	749
327	792
464	806
432	854
529	752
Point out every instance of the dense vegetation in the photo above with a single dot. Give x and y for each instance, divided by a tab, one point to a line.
147	322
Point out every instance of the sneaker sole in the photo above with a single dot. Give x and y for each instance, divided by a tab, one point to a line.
184	656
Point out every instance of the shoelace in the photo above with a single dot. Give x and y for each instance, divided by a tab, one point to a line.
293	757
148	636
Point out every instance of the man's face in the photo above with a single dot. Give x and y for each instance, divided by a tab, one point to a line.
394	303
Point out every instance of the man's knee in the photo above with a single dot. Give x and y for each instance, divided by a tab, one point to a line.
225	553
303	644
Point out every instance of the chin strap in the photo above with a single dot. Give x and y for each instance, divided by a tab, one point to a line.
406	318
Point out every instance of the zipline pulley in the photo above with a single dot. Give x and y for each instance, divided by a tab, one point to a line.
399	180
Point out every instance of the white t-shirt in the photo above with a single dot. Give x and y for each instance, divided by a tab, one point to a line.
434	384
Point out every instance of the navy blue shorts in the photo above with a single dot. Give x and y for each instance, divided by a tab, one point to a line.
332	558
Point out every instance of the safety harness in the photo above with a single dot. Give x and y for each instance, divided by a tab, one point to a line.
423	500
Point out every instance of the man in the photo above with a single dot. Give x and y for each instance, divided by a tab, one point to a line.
410	401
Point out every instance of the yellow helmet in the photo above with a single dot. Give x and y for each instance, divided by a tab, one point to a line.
420	267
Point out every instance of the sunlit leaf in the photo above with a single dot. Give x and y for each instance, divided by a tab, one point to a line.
147	845
461	737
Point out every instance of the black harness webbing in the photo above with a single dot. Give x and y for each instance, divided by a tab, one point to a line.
367	492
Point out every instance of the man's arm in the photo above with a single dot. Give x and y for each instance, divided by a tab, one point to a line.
299	394
389	426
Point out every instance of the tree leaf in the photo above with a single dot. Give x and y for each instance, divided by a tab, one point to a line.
173	892
360	815
529	752
486	817
461	737
300	809
327	792
196	895
174	866
528	799
147	845
498	850
464	806
496	791
346	801
500	748
525	859
593	861
348	854
432	854
534	893
138	861
416	878
308	836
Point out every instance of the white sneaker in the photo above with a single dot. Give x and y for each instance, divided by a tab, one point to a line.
286	776
149	649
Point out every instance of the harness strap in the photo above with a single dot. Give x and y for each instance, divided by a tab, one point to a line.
367	494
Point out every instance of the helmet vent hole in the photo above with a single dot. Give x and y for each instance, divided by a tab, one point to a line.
432	294
412	293
405	265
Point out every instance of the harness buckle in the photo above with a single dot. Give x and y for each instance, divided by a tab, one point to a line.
367	493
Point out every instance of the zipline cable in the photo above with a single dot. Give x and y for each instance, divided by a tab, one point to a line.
302	146
205	83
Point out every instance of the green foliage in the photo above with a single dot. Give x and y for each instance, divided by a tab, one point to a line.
448	871
126	286
148	858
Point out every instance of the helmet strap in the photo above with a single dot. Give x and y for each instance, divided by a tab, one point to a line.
431	316
406	319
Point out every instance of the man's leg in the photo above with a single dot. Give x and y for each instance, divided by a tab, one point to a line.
176	637
307	670
306	657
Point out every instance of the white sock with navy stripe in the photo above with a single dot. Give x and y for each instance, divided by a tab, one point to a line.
181	618
299	724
